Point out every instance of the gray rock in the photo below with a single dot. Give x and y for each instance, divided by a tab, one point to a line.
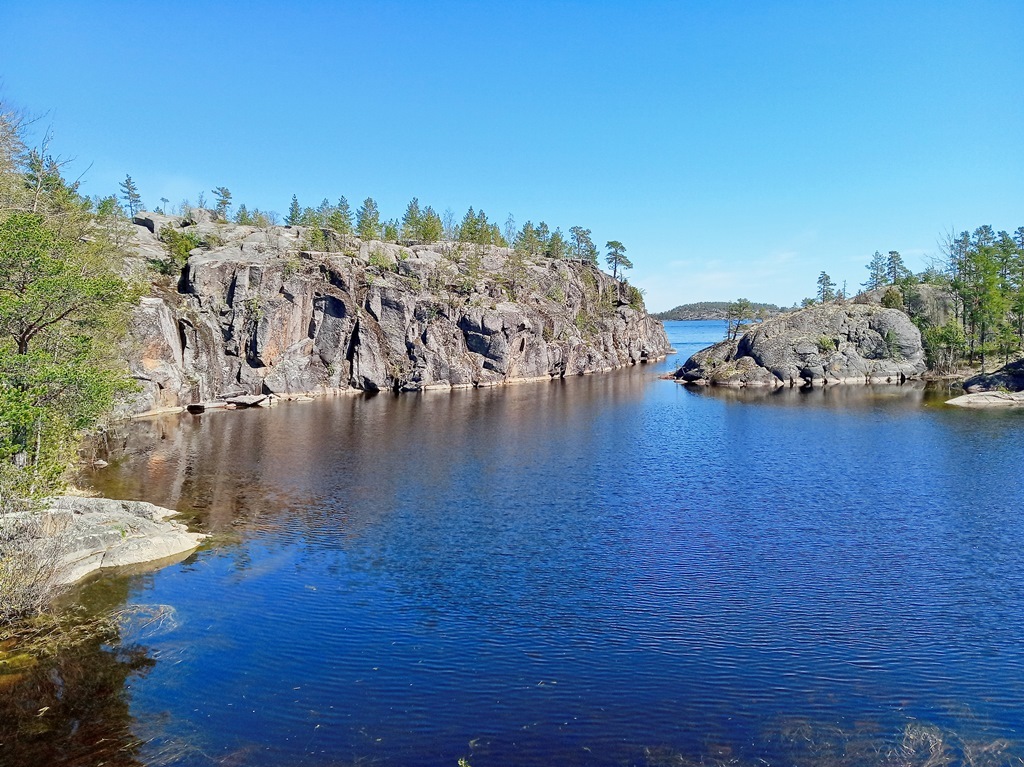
989	399
258	315
96	533
828	344
1007	378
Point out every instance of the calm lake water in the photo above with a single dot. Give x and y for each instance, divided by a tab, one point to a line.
610	570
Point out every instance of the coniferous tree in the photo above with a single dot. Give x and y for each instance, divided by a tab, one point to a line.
895	270
826	288
582	245
557	246
876	272
340	218
431	228
294	217
130	195
368	220
412	221
616	257
223	202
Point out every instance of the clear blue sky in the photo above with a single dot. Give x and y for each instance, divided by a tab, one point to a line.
736	148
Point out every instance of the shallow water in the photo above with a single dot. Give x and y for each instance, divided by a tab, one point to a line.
607	570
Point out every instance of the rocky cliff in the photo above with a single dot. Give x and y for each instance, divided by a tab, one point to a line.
828	344
261	311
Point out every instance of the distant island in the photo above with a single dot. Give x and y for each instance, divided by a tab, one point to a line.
714	310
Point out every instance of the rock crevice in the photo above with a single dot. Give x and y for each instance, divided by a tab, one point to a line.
262	314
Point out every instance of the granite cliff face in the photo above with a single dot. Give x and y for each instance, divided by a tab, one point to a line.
829	344
258	311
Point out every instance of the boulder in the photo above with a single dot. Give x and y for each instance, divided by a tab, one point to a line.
96	533
826	344
1007	378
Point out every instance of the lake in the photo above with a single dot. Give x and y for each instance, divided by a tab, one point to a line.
607	570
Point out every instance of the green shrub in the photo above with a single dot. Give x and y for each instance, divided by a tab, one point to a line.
178	243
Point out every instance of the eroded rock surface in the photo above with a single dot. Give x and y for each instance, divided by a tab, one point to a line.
828	344
257	312
88	534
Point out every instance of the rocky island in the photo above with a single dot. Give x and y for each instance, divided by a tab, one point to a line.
258	311
823	344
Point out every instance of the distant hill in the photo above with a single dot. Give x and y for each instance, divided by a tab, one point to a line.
711	310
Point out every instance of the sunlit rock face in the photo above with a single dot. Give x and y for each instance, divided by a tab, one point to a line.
827	344
261	313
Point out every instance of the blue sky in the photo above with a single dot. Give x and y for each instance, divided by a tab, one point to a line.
737	149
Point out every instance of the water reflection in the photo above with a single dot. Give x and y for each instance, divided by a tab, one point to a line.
610	570
73	708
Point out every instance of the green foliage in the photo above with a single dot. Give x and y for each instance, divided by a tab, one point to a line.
294	216
876	272
826	344
379	260
178	243
368	220
892	345
892	298
826	289
223	202
581	246
635	297
130	195
616	257
62	301
737	315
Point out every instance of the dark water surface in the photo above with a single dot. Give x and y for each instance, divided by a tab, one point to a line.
608	570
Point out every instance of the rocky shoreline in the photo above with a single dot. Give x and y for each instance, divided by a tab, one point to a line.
818	346
72	537
258	312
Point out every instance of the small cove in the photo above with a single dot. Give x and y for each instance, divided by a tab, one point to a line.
607	570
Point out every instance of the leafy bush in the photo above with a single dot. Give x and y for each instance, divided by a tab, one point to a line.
178	243
826	344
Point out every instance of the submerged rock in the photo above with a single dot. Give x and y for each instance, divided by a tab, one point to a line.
257	313
827	344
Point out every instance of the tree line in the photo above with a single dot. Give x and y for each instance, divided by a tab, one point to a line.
420	224
981	273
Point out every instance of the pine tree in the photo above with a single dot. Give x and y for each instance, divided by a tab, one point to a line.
223	202
616	257
557	246
431	229
368	220
895	270
583	247
130	195
294	216
412	221
876	272
826	288
340	219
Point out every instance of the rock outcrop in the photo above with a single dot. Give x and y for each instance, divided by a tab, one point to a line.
828	344
1009	378
258	311
79	536
989	399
